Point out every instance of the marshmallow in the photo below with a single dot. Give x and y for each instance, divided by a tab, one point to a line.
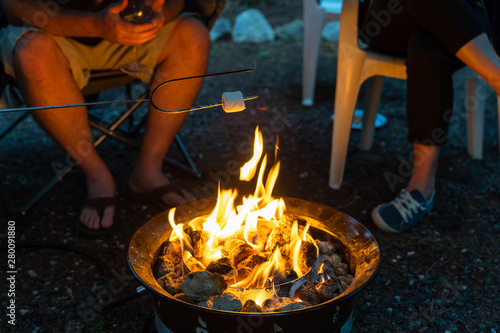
233	101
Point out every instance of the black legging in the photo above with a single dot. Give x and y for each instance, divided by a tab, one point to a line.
428	33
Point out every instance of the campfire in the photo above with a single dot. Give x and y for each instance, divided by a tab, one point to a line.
253	263
252	256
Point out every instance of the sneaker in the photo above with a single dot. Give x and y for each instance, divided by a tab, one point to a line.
402	213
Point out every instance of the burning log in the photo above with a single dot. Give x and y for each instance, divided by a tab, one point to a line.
174	249
308	254
252	261
227	302
239	253
223	267
230	244
279	236
280	304
194	265
202	285
251	306
200	240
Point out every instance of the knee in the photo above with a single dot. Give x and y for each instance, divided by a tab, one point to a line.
426	51
34	52
193	36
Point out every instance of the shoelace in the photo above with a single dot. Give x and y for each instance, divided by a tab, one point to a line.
406	205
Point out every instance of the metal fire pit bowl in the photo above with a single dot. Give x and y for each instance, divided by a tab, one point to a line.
352	240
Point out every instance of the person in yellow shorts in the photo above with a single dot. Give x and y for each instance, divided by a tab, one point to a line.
50	47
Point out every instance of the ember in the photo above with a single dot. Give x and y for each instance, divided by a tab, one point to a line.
250	257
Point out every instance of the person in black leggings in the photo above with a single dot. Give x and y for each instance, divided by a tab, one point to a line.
437	37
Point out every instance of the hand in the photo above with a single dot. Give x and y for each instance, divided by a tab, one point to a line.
117	30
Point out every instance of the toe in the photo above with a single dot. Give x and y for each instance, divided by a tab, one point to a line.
108	217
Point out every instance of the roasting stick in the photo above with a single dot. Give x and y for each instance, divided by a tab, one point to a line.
195	108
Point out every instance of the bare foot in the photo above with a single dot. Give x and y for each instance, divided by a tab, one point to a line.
149	180
99	188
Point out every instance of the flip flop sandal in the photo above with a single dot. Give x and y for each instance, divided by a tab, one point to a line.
153	197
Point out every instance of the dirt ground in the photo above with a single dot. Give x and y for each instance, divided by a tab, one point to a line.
442	276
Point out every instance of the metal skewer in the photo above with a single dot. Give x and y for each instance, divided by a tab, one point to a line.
195	108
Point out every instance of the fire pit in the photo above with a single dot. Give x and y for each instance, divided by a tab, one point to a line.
173	315
294	264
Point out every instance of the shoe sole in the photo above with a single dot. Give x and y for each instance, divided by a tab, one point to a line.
379	222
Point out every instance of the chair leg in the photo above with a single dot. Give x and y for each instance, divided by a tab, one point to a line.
346	94
313	25
371	102
475	119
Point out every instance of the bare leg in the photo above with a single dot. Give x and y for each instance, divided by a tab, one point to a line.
424	169
480	56
44	77
184	54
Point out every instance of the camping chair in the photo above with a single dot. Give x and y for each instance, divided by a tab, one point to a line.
356	65
100	81
121	128
317	13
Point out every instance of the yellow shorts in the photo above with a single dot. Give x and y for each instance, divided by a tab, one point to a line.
84	58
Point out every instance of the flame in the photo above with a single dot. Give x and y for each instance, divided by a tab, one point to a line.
247	171
252	218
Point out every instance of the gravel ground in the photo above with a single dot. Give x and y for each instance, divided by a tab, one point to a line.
442	276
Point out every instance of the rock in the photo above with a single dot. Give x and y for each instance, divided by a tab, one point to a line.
221	28
309	294
251	306
171	283
291	31
227	302
182	297
252	26
223	267
206	304
331	31
330	288
164	265
202	285
280	304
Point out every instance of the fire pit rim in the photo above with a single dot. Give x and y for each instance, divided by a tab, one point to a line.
354	228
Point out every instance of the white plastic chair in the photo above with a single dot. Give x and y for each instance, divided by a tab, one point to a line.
355	65
316	16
